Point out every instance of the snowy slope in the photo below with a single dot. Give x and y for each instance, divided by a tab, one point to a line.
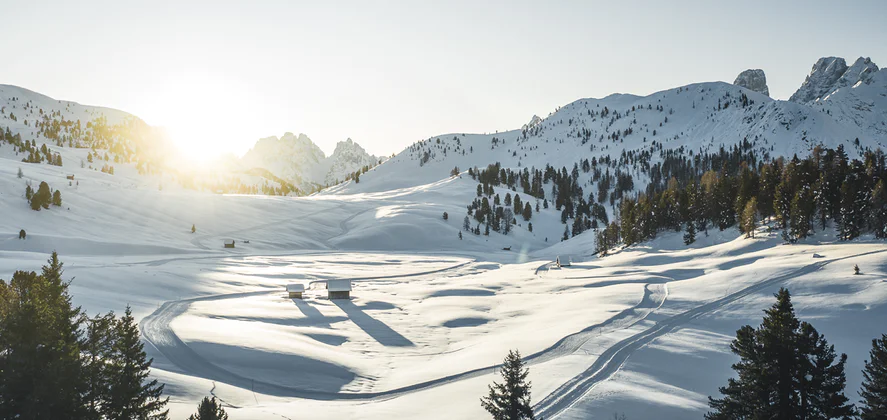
700	117
432	314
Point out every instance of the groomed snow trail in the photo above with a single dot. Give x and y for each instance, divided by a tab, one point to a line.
156	330
609	362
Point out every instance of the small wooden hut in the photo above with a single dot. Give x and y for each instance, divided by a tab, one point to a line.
339	289
295	290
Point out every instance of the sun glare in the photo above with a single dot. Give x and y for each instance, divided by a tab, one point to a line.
203	117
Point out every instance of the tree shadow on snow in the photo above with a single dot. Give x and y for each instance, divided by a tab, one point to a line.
376	329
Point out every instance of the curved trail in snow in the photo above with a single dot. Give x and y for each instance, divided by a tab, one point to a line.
611	360
156	330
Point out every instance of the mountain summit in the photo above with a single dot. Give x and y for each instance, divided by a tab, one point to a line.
832	73
297	159
754	80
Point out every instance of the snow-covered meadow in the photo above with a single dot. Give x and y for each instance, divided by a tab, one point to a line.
643	330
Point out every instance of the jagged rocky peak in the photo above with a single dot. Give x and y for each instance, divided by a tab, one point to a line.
533	122
753	79
832	73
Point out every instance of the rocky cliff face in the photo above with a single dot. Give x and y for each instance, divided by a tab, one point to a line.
298	160
753	79
347	158
830	74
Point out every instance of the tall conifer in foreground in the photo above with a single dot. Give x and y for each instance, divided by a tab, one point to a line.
874	384
510	400
787	370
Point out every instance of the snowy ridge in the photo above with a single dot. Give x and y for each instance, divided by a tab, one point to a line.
298	160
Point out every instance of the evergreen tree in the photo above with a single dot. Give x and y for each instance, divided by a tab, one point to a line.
131	394
566	233
878	219
209	409
466	224
193	228
874	384
41	375
786	370
749	217
690	236
510	400
20	174
57	198
802	213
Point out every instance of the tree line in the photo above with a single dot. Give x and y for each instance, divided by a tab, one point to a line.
801	195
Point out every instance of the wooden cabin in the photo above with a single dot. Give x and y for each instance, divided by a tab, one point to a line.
564	261
229	243
295	290
339	289
70	177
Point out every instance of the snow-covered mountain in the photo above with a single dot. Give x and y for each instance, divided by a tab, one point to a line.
832	73
298	160
701	117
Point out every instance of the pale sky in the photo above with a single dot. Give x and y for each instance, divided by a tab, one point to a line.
222	74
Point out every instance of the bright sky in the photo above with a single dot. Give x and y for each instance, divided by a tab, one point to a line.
221	74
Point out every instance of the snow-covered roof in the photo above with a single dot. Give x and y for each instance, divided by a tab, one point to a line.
295	287
338	285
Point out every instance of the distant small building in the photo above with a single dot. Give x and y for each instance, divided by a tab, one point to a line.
295	290
565	261
229	243
339	289
70	177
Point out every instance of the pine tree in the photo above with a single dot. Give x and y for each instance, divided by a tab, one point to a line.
749	217
20	173
786	370
874	384
511	399
41	374
131	394
878	219
690	236
466	224
57	198
566	233
209	409
193	228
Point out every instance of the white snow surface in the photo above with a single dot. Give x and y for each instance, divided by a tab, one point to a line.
644	331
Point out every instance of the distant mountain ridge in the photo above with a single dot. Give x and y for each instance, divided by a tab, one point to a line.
297	159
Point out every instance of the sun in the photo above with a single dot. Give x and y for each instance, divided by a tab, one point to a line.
203	116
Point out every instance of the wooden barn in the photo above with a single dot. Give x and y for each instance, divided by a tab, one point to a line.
295	290
339	289
229	243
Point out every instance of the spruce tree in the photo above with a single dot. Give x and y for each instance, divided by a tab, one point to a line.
510	400
209	409
131	394
41	375
786	370
690	236
57	198
874	384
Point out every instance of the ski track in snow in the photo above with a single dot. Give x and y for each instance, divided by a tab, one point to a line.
612	359
156	330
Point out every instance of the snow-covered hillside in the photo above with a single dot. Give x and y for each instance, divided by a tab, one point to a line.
434	308
699	118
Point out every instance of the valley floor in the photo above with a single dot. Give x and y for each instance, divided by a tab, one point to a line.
644	330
